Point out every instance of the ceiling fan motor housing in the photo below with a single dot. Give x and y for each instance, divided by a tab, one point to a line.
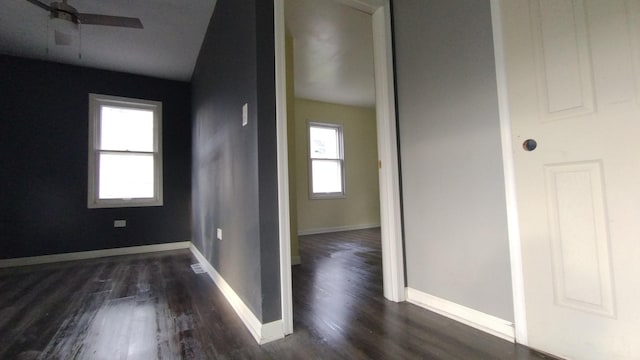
64	11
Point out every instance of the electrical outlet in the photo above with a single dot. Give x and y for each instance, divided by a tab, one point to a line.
219	233
119	223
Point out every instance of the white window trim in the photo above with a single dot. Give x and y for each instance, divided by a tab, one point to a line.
95	102
328	195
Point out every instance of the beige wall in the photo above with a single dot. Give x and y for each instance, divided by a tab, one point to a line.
361	206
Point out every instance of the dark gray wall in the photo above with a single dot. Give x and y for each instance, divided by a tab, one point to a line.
452	176
234	167
44	128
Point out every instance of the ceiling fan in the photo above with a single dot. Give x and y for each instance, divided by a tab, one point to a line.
64	11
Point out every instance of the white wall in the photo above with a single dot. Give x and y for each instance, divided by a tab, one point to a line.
291	156
453	187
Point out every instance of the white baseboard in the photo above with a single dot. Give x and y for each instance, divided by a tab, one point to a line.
296	260
45	259
474	318
263	333
336	229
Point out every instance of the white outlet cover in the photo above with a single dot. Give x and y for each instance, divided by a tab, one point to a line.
245	114
219	233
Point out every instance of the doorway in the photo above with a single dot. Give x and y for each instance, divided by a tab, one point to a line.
393	272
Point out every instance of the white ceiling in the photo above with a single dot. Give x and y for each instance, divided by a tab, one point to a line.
167	47
333	46
333	51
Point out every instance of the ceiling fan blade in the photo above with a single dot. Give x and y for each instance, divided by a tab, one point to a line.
108	20
40	5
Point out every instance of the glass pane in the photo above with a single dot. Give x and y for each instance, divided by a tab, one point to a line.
126	129
323	142
327	176
126	176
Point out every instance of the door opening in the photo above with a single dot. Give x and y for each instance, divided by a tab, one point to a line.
388	175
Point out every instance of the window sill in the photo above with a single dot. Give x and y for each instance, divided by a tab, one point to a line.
117	203
327	196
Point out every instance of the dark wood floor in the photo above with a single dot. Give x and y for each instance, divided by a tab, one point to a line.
155	307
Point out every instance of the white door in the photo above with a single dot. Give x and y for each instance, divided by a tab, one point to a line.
573	76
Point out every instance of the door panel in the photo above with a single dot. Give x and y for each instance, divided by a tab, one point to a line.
564	69
579	237
572	76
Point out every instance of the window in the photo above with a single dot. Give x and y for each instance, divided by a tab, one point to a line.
125	152
326	161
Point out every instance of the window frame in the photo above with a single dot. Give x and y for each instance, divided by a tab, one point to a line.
327	195
96	102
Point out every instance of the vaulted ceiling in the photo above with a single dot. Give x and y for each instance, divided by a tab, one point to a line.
167	47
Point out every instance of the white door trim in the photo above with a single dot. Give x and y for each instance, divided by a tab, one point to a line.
284	228
513	225
389	175
391	229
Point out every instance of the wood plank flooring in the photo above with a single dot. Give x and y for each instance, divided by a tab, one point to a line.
154	306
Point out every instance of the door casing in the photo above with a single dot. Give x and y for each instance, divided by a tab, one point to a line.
389	176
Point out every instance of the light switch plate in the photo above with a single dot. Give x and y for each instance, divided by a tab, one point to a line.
219	233
245	114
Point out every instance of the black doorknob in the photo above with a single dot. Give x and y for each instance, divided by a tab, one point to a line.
529	145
